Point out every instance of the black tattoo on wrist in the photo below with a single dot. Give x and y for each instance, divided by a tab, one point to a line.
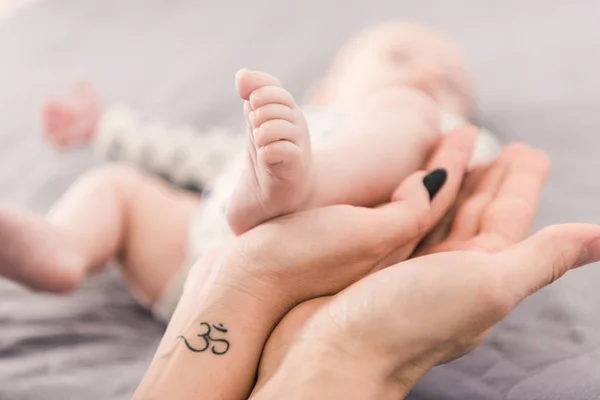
217	346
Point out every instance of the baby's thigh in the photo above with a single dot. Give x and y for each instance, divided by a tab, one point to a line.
382	140
393	128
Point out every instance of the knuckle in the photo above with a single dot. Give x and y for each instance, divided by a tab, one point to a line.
259	115
270	95
494	297
420	222
563	262
257	98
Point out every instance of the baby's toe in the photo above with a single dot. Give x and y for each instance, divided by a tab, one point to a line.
271	95
247	82
276	130
272	112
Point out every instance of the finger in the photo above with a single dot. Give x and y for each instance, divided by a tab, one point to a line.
413	189
82	87
444	227
385	235
546	256
512	211
436	236
408	216
481	185
473	183
52	112
396	228
453	155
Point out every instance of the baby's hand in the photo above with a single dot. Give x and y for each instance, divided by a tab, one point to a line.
72	122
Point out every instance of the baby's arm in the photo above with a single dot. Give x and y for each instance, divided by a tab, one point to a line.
186	158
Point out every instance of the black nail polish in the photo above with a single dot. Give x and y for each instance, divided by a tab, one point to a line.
434	181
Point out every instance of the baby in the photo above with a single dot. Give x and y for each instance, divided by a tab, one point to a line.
372	121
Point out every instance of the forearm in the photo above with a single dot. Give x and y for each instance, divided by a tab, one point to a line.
315	375
193	361
327	358
187	366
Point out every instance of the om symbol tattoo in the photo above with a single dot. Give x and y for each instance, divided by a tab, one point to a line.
217	346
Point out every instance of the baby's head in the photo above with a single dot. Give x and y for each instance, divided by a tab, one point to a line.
401	54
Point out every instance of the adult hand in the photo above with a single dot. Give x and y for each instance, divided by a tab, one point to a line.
258	277
380	336
496	207
322	251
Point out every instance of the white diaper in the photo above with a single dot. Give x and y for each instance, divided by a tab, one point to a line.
209	226
487	146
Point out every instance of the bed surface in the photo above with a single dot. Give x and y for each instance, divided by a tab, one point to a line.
536	65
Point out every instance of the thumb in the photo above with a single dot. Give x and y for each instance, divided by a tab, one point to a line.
408	218
441	184
547	255
412	214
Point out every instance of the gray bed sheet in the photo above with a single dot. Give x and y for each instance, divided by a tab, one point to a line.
536	64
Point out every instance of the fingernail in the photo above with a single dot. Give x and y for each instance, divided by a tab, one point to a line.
591	253
434	181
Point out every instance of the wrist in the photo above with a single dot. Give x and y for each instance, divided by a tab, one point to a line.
214	340
322	372
339	359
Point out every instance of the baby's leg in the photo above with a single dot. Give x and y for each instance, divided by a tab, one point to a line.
113	211
384	138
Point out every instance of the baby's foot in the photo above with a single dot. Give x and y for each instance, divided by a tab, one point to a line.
277	177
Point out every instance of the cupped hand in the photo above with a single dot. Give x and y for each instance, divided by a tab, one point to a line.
322	251
402	321
252	281
496	206
442	305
